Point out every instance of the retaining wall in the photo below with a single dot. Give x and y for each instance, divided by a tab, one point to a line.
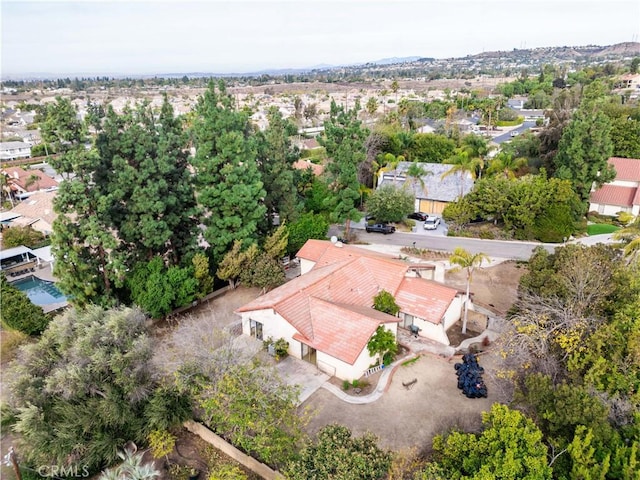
218	442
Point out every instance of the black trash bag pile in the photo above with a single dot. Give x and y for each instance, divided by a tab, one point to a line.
470	377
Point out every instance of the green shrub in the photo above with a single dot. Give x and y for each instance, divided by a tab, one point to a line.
486	234
280	347
388	358
161	443
337	454
18	312
624	218
346	385
510	123
228	471
17	236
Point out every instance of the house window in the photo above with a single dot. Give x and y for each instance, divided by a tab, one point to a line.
256	329
408	320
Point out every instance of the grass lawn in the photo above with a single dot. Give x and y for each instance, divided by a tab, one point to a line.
599	228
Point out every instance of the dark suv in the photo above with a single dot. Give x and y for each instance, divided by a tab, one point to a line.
381	228
418	216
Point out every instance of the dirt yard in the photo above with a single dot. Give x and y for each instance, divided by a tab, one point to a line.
496	286
406	418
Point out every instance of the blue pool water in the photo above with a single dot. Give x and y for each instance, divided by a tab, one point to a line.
40	292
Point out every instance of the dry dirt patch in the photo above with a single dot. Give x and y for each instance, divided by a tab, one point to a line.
496	286
402	417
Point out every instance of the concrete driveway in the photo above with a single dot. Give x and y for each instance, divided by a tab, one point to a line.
303	374
404	418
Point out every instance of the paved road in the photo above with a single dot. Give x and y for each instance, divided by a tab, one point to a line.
492	248
507	136
437	240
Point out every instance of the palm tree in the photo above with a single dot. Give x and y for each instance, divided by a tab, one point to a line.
394	89
33	178
463	163
5	188
505	163
415	172
468	261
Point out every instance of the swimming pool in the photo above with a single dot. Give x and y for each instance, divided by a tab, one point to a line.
40	292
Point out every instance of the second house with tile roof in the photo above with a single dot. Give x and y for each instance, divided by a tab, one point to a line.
327	313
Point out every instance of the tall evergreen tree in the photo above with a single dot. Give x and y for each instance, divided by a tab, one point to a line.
228	182
154	208
127	199
87	263
585	145
344	141
276	158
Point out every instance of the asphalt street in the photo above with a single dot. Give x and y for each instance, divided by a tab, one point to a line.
438	240
505	137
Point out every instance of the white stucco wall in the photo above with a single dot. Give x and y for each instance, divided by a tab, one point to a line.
305	265
273	325
454	311
343	370
611	210
431	331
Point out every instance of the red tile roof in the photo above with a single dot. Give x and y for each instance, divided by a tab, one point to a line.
20	178
323	252
304	164
342	331
336	296
424	298
614	195
627	169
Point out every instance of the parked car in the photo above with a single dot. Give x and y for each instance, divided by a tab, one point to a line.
432	222
418	216
381	228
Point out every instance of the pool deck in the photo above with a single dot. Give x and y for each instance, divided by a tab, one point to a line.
43	273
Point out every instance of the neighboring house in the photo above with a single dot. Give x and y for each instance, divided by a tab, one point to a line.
17	259
432	191
14	150
630	81
309	144
623	193
304	164
532	115
25	181
426	129
36	211
327	313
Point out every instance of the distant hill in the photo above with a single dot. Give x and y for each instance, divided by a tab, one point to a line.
393	60
415	65
626	49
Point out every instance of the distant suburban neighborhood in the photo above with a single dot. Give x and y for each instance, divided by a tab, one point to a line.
422	269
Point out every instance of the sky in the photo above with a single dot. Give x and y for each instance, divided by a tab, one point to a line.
129	37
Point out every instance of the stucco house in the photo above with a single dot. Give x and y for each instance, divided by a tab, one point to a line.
23	182
35	211
326	314
434	190
623	193
14	150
